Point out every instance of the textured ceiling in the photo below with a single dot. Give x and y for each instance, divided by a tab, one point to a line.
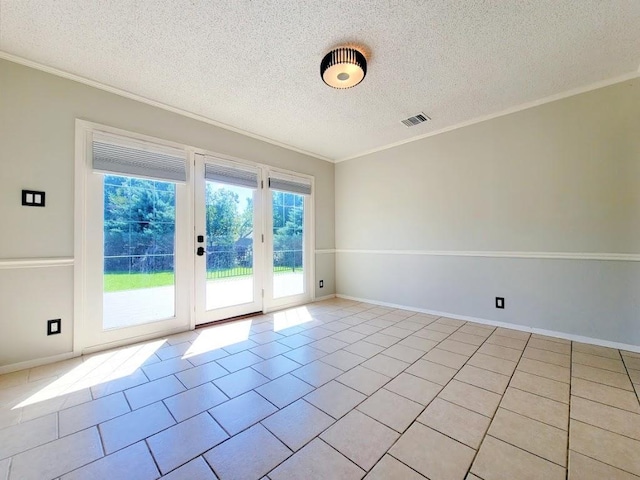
254	65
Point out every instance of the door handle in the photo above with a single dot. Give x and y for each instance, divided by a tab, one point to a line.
200	251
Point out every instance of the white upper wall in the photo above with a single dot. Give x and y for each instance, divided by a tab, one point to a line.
37	128
561	177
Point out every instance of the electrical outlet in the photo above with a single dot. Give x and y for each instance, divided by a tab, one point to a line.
499	302
54	327
321	283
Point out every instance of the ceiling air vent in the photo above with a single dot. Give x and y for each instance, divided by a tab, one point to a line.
415	120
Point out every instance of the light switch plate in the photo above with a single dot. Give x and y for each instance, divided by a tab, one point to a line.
33	198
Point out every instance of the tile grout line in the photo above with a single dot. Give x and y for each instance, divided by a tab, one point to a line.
599	427
606	404
626	367
366	398
569	411
371	370
601	461
317	436
399	461
153	457
519	414
542	376
412	332
57	427
405	318
486	433
435	396
158	401
610	406
333	448
600	383
102	445
131	410
230	436
538	395
526	451
605	369
97	426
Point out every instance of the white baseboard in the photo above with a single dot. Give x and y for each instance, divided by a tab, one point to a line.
512	326
14	367
326	297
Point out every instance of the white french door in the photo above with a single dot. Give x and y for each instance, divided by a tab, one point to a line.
136	269
252	239
168	240
289	240
229	239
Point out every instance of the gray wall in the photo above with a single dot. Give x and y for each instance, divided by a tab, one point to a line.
563	177
37	128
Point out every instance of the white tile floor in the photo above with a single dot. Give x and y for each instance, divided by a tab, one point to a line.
332	390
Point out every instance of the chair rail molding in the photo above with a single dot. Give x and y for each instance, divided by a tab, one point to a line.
20	263
619	257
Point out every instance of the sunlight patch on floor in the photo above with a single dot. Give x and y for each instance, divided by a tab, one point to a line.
218	337
291	318
96	369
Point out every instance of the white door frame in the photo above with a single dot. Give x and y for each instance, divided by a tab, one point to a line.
202	315
83	135
271	303
88	334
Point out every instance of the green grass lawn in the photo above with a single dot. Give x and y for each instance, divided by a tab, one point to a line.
115	282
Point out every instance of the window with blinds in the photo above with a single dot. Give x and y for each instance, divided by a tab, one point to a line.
229	174
120	156
289	183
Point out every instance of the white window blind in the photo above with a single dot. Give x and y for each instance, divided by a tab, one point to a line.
242	176
121	156
289	183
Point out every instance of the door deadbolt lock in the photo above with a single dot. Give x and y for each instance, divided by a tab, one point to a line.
200	251
200	238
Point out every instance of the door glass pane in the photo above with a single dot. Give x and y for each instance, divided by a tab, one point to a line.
139	247
229	245
288	241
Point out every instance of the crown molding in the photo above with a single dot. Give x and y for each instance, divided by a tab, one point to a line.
502	113
124	93
154	103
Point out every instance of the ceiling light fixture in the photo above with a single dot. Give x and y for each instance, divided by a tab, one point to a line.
343	67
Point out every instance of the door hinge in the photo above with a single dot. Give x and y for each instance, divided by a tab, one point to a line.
263	293
261	183
263	238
